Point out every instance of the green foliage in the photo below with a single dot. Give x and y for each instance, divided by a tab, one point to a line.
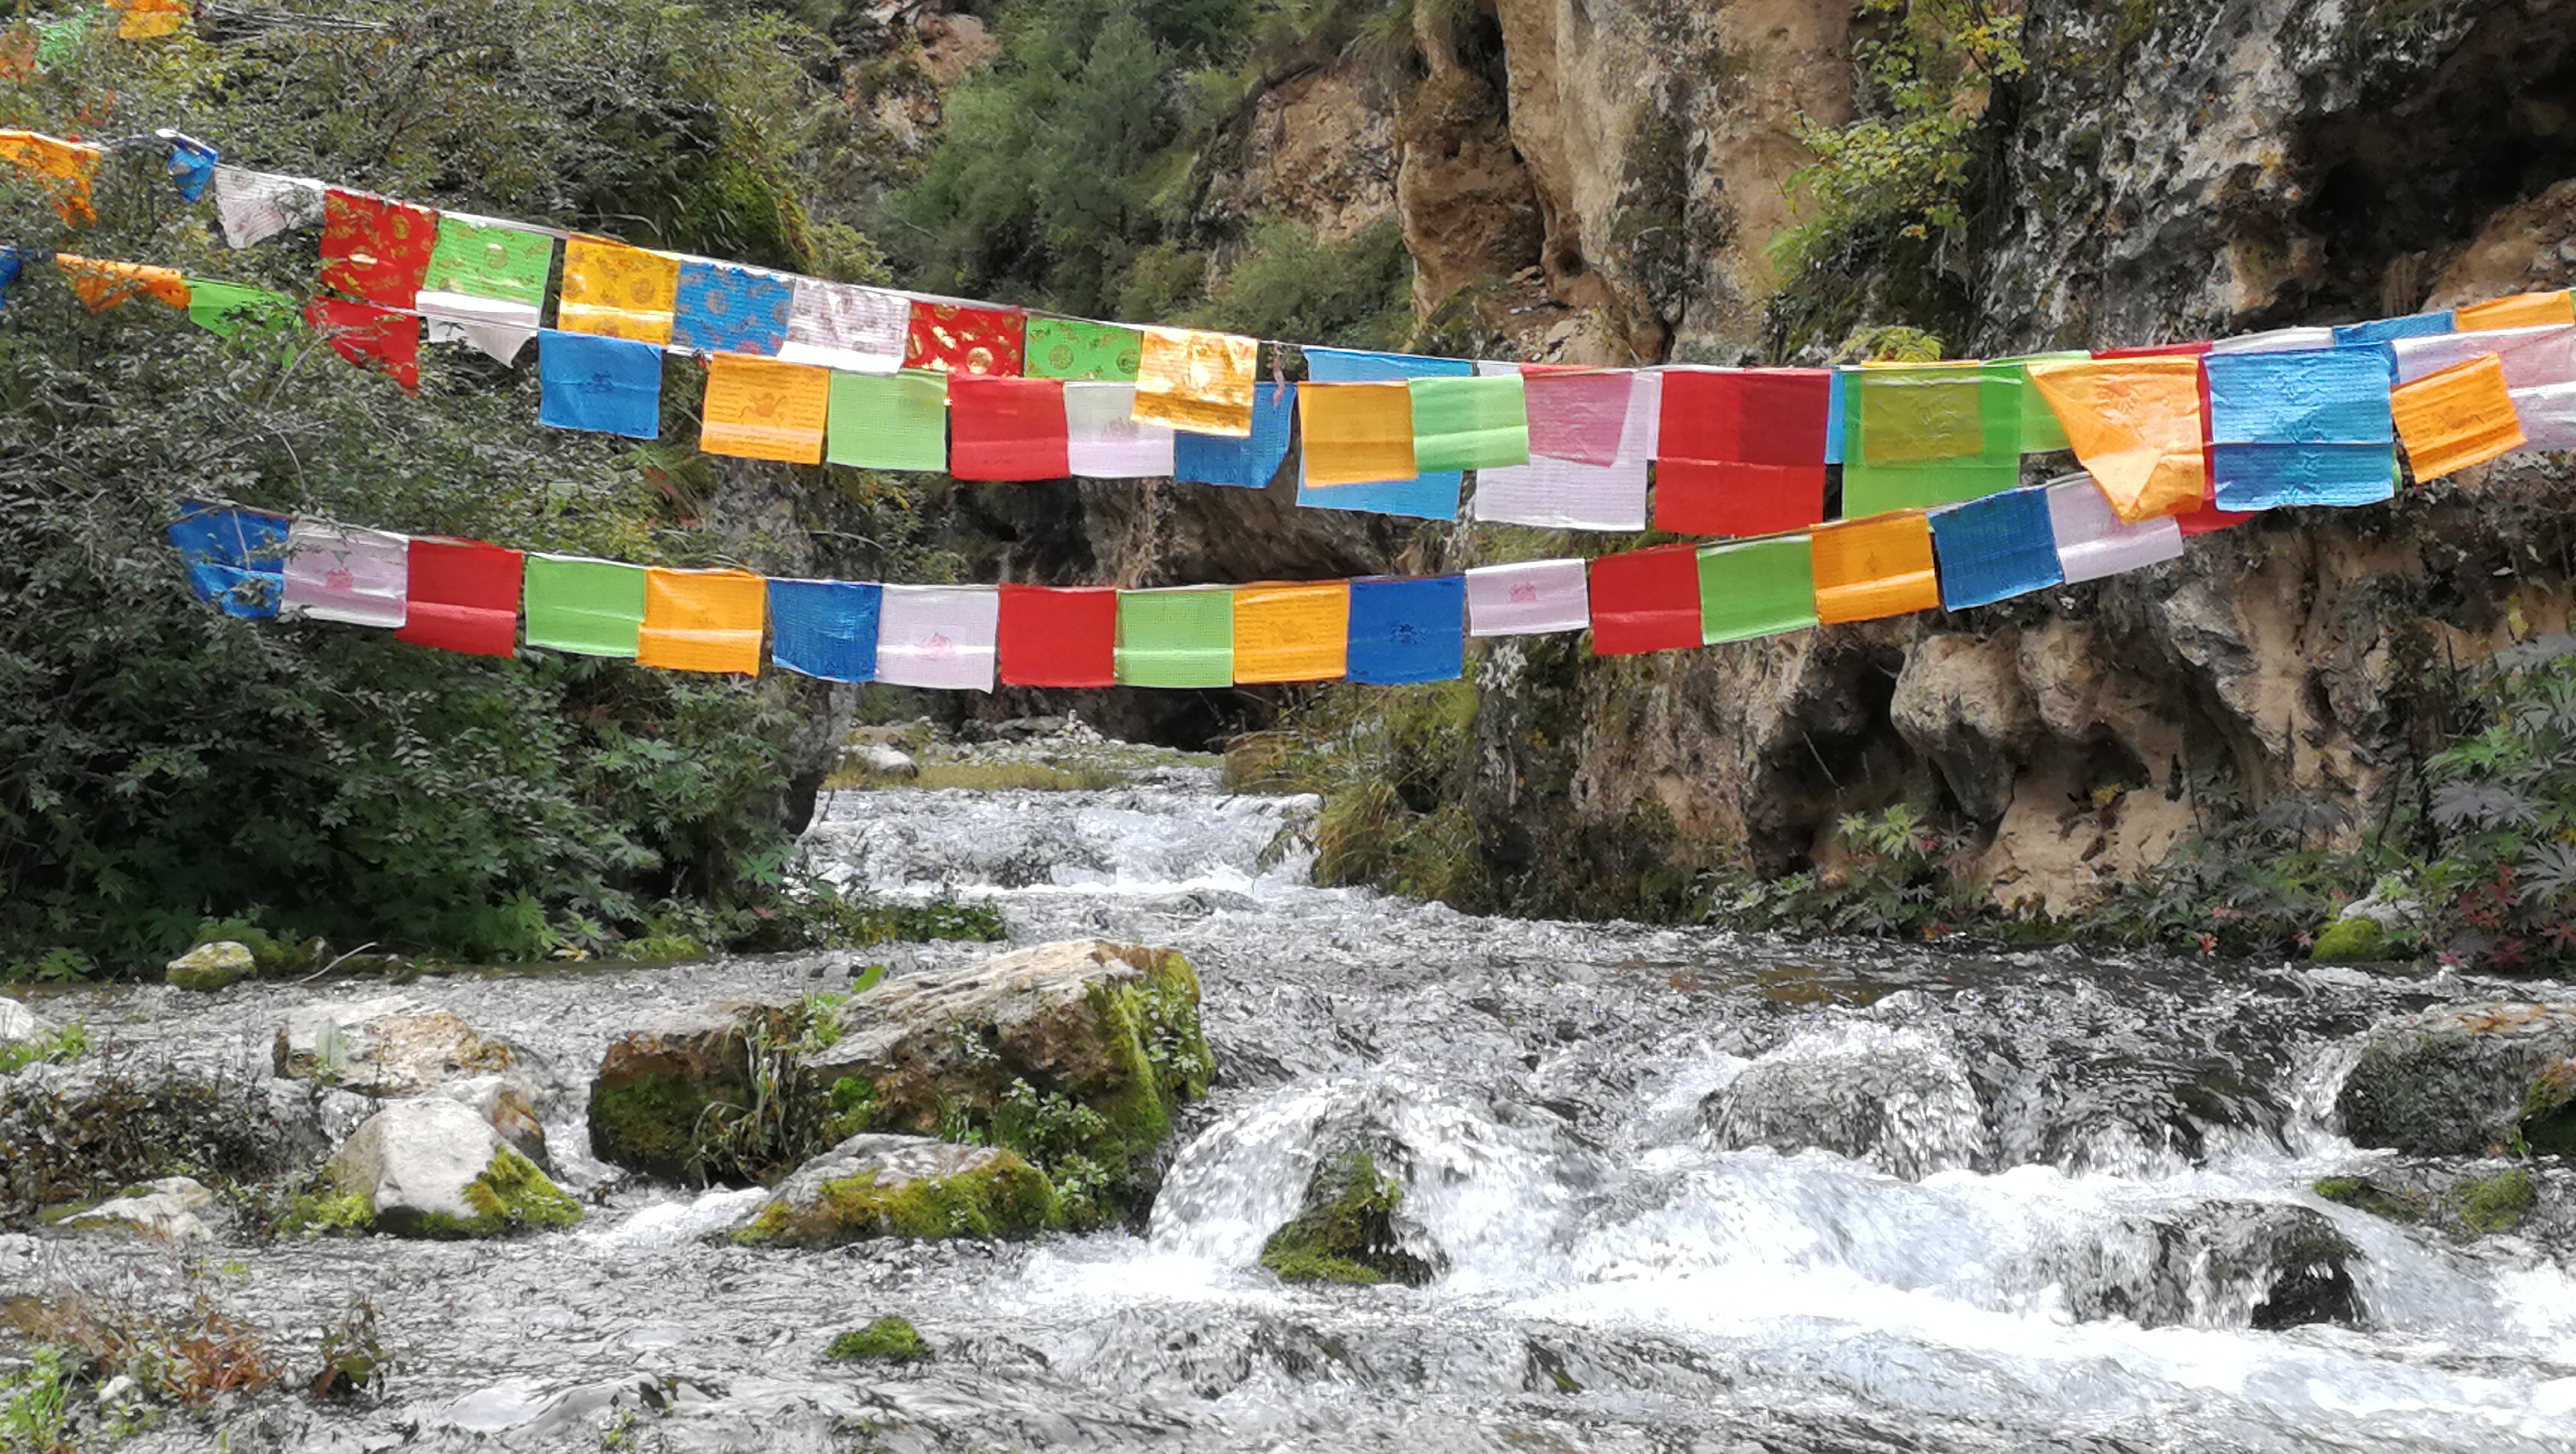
326	1212
1346	1234
889	1339
1287	283
2495	1203
354	1359
57	1047
35	1404
1893	872
512	1195
2350	941
1391	764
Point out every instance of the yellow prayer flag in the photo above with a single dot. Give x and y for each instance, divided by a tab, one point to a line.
2136	424
101	285
2456	417
617	290
145	19
1865	569
1356	434
1200	382
2522	310
702	620
1292	633
61	167
762	409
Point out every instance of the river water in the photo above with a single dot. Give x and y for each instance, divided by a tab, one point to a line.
1613	1279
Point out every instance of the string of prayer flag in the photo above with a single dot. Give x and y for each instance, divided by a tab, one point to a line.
825	629
1176	638
583	606
938	636
1058	636
702	620
1405	631
1755	588
461	595
1291	633
345	573
889	422
759	408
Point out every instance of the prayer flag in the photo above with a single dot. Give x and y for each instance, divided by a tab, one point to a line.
720	308
1176	638
486	284
1929	435
891	422
1423	497
2384	329
824	629
1407	630
149	19
2093	541
1580	416
2040	431
702	620
2548	415
1995	548
1432	496
1004	428
386	340
463	596
192	165
1469	423
761	409
2137	425
1742	450
616	290
1201	382
961	340
235	559
2278	340
608	385
2456	417
224	309
1068	348
102	285
2209	517
1866	569
2531	357
2522	310
1361	366
1059	636
1834	416
1250	462
346	574
583	606
1357	433
12	262
1104	439
1755	588
1292	633
938	636
2302	428
1528	597
845	326
1645	600
61	169
1570	494
256	206
376	249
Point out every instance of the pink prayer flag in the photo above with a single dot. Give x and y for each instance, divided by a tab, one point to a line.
1568	494
1528	597
343	573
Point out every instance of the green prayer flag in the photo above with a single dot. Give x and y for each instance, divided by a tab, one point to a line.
1067	348
1181	638
1914	438
588	607
1469	423
2040	431
1758	588
889	422
485	260
225	309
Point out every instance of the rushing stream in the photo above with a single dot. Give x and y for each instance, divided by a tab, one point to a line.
2000	1272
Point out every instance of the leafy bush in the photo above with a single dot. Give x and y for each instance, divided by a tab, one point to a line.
1391	764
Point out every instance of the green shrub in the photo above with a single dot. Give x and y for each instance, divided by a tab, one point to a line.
1391	764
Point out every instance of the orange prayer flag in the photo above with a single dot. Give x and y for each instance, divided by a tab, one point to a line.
702	620
1201	382
2137	425
145	19
1356	434
101	285
762	409
2453	418
2522	310
617	290
1292	633
1865	569
61	167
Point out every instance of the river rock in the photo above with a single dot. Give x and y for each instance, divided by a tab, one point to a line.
432	1167
2465	1080
2535	1200
1111	1028
210	967
881	760
164	1210
649	1104
1895	1097
386	1047
18	1023
1350	1226
2225	1264
509	1105
904	1186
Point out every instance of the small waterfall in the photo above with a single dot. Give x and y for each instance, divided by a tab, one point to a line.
1124	841
1895	1096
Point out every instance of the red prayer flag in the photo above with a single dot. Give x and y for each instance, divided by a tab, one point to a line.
2208	518
1059	636
464	596
1742	452
1646	600
1006	429
370	337
2155	350
965	340
376	248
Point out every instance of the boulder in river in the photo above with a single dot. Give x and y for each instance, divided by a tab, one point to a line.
1894	1097
2222	1264
2480	1199
18	1023
387	1047
904	1186
211	967
1345	1230
2466	1080
164	1211
879	760
664	1092
509	1106
432	1167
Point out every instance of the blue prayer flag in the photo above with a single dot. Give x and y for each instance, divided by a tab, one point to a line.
1834	420
2307	427
2414	325
723	309
1408	630
1995	548
1431	496
11	261
824	629
192	166
235	559
1209	459
1359	366
608	385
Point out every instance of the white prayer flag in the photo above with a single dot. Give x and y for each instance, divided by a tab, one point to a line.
938	636
2531	357
1104	441
2548	415
2278	340
1528	597
344	573
845	326
1571	495
2093	541
256	206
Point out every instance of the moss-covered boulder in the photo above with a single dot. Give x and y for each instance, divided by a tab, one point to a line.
664	1092
432	1167
889	1339
2466	1080
904	1186
1077	1055
1346	1230
2481	1199
2351	941
210	967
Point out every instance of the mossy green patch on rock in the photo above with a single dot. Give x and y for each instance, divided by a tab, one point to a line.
2547	1123
2351	941
2362	1195
905	1186
1346	1234
511	1196
649	1124
889	1339
326	1213
210	967
2436	1195
2495	1203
